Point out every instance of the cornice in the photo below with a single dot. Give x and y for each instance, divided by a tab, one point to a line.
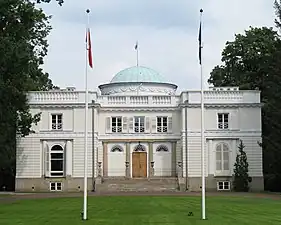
145	107
222	105
138	109
56	105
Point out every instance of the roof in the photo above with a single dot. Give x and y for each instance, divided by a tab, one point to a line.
138	74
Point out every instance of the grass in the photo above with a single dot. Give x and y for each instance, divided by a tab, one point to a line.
118	210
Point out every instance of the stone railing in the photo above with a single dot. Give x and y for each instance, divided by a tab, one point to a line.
222	97
138	100
59	97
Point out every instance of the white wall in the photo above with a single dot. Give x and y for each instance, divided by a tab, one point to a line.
162	160
29	158
116	160
73	119
151	116
245	123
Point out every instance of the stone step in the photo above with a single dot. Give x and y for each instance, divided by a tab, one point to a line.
139	185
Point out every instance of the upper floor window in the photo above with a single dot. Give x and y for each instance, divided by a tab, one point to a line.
222	157
223	120
116	124
56	121
139	124
162	124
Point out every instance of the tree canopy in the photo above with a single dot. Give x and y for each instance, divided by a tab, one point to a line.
60	2
23	45
253	61
277	7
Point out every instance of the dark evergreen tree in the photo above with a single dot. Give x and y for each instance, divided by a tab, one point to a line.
241	176
23	45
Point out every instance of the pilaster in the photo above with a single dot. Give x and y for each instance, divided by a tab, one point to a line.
68	158
150	159
105	159
173	158
128	163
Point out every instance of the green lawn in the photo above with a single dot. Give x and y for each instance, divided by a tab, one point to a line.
137	210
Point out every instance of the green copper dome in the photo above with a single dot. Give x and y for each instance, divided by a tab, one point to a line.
138	74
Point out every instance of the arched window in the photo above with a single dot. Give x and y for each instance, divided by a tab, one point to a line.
57	161
222	157
117	148
162	148
139	148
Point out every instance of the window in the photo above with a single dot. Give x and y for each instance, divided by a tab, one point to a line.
57	122
162	148
223	185
139	124
162	124
55	186
222	157
117	148
116	124
56	161
223	120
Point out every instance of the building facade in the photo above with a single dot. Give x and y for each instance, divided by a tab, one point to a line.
138	127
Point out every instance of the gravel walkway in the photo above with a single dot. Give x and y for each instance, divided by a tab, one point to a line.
11	197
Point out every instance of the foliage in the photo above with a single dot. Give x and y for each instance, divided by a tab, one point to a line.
277	7
253	61
241	176
23	46
60	2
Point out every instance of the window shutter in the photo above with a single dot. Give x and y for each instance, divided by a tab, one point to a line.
108	125
153	124
47	160
170	124
125	124
147	124
131	125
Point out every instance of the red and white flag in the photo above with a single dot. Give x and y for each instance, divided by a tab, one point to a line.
89	48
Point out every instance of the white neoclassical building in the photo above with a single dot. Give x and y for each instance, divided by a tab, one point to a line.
139	127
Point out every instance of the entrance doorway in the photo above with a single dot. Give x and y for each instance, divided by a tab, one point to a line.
139	164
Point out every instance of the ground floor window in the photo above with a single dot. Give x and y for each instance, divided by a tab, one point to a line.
55	162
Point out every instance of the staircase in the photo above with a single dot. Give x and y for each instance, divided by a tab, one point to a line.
138	185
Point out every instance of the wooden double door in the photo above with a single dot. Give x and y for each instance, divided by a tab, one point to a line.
139	164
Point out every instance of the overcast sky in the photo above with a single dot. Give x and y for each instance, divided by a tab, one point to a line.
167	31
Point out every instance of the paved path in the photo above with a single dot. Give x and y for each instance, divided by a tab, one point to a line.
18	196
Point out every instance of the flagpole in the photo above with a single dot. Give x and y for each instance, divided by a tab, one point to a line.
202	127
86	125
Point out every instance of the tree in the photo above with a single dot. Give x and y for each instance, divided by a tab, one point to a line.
241	176
23	45
253	61
60	2
277	7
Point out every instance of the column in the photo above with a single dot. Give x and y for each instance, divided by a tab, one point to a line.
68	158
174	163
45	158
179	147
128	163
150	160
211	158
183	118
105	159
94	158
